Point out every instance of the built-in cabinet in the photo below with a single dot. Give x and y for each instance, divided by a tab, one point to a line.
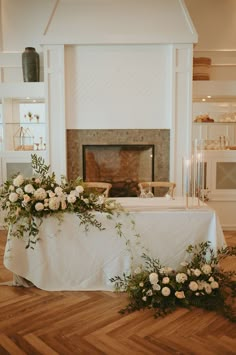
23	122
218	140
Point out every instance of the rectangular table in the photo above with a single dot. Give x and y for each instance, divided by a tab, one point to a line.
68	258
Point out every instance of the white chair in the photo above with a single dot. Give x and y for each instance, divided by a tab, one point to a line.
99	187
156	184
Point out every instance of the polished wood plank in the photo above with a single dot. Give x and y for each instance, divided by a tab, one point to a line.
33	321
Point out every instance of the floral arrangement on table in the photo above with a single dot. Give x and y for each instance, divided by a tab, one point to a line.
199	282
27	200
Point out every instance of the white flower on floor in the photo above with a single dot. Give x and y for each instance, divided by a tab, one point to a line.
153	278
26	198
149	293
18	181
13	197
179	294
165	291
156	287
39	206
181	277
214	284
206	269
208	288
196	272
193	286
165	280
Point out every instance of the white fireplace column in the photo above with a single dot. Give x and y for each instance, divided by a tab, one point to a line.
55	107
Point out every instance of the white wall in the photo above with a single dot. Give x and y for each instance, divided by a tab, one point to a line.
118	86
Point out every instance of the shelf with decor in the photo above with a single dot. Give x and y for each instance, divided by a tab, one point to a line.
21	135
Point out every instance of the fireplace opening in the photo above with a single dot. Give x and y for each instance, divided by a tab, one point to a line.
123	165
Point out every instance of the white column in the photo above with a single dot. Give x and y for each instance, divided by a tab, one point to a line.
55	107
181	127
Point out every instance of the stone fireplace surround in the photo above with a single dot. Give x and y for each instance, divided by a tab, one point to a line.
160	138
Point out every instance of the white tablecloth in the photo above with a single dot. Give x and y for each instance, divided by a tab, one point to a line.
68	258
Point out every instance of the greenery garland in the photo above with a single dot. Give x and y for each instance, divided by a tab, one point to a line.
27	201
200	282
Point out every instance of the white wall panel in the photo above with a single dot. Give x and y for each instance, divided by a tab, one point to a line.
118	86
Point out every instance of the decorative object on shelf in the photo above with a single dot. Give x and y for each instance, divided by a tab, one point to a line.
201	68
30	65
27	200
203	118
199	282
23	139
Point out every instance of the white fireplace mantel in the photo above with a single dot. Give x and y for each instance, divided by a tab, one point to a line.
158	84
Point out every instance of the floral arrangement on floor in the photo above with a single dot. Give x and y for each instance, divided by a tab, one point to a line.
27	200
199	282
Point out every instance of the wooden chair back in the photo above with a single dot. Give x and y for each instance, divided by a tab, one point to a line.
167	184
102	187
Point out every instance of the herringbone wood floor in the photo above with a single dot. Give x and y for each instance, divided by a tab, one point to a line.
33	321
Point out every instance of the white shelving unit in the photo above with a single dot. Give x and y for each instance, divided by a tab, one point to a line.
21	134
220	163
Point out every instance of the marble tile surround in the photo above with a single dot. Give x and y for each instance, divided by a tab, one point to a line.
160	138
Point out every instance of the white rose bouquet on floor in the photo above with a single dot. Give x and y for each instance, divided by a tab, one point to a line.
27	200
199	282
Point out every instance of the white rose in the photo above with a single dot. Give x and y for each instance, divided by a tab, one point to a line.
54	203
86	200
26	198
201	285
179	294
196	272
211	279
206	269
11	188
165	291
208	288
40	194
79	189
149	293
214	284
181	277
141	284
144	298
19	191
193	286
58	191
156	287
71	198
153	278
29	189
39	206
165	280
13	197
51	193
18	181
